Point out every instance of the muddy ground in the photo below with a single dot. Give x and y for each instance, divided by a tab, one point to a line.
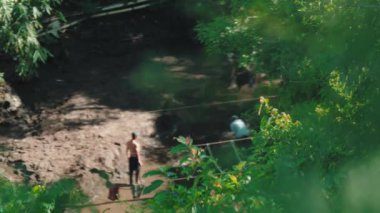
114	76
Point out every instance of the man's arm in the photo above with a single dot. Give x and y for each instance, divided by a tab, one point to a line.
127	150
138	147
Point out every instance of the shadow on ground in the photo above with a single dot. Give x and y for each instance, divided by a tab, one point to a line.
142	61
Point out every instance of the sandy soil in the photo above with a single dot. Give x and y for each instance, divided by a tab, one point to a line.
68	151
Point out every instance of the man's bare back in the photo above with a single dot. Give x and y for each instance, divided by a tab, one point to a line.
133	148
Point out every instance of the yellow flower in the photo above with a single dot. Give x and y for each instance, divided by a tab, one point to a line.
234	179
217	185
194	151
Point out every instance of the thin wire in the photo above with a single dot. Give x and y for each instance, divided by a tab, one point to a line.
110	202
209	104
185	107
235	150
215	143
224	141
215	163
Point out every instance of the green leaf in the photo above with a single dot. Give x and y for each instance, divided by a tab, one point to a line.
61	16
234	179
54	28
36	13
181	139
241	165
178	149
162	196
171	175
153	186
164	168
36	56
153	173
184	160
48	9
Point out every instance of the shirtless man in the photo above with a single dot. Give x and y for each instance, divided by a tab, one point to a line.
133	152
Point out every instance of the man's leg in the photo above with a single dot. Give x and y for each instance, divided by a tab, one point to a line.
130	171
130	177
137	173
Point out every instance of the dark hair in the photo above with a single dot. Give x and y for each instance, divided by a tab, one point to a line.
134	135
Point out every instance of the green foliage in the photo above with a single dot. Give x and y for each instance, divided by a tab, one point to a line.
153	186
315	157
326	52
205	188
39	198
20	25
301	40
292	167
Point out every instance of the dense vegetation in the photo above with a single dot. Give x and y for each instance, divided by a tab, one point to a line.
319	156
41	198
320	153
20	27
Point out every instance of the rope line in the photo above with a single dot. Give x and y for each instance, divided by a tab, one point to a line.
214	143
215	163
224	141
235	150
109	202
209	104
182	107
